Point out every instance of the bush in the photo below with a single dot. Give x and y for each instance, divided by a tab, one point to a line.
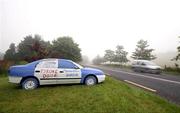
4	66
21	62
172	69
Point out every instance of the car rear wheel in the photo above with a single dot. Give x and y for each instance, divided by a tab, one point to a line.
90	80
29	84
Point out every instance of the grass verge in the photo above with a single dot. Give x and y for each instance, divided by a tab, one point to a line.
112	96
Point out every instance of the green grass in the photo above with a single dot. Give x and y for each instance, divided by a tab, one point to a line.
112	96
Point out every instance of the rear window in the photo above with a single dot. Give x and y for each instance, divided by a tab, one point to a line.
136	63
47	64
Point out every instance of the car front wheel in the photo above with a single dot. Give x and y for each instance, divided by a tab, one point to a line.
90	80
29	84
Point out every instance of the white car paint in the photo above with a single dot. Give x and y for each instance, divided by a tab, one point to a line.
45	71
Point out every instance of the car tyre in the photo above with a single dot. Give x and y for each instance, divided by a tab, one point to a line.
90	80
29	84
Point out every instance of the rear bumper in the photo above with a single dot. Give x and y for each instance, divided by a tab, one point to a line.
15	79
101	78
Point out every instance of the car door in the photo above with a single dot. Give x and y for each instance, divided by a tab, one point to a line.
46	71
138	66
68	72
143	67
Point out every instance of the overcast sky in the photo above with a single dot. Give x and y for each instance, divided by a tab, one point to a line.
95	25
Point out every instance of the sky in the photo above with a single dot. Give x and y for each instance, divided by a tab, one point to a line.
96	25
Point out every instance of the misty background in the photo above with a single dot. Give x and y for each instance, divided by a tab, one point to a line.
96	25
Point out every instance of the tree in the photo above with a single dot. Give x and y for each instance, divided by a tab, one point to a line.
98	60
65	47
120	54
142	52
1	56
11	53
33	48
178	55
109	55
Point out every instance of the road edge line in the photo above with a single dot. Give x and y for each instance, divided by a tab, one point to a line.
141	86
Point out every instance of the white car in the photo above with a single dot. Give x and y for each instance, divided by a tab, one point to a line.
146	66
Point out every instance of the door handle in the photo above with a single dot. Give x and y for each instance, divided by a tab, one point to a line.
61	71
37	71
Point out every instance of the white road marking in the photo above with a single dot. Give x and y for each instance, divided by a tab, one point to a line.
161	79
141	86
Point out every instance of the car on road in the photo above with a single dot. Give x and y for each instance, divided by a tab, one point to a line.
146	66
53	71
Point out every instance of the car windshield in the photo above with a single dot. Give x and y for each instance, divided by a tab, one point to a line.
78	65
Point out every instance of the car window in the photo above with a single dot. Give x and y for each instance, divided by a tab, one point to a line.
47	64
151	63
143	63
66	64
138	63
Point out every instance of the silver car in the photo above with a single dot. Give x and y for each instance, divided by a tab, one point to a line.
146	66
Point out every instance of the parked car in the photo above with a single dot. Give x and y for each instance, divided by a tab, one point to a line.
146	66
53	71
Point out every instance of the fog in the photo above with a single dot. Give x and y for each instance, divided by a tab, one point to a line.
95	25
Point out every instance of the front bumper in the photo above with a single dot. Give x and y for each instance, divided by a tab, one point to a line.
15	79
101	78
155	71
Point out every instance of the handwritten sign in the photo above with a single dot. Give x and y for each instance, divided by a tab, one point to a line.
49	73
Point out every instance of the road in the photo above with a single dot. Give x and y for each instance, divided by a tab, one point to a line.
167	86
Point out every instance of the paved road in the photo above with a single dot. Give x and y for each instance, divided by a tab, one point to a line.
167	86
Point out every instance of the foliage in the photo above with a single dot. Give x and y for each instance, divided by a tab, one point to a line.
109	55
11	53
178	55
120	54
142	52
98	60
21	62
65	47
33	48
172	70
4	66
1	56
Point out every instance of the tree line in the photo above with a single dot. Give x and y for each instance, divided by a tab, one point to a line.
120	55
32	48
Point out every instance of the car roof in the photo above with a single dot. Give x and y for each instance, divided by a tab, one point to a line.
55	59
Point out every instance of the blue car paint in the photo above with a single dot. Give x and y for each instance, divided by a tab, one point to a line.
28	69
23	70
90	71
